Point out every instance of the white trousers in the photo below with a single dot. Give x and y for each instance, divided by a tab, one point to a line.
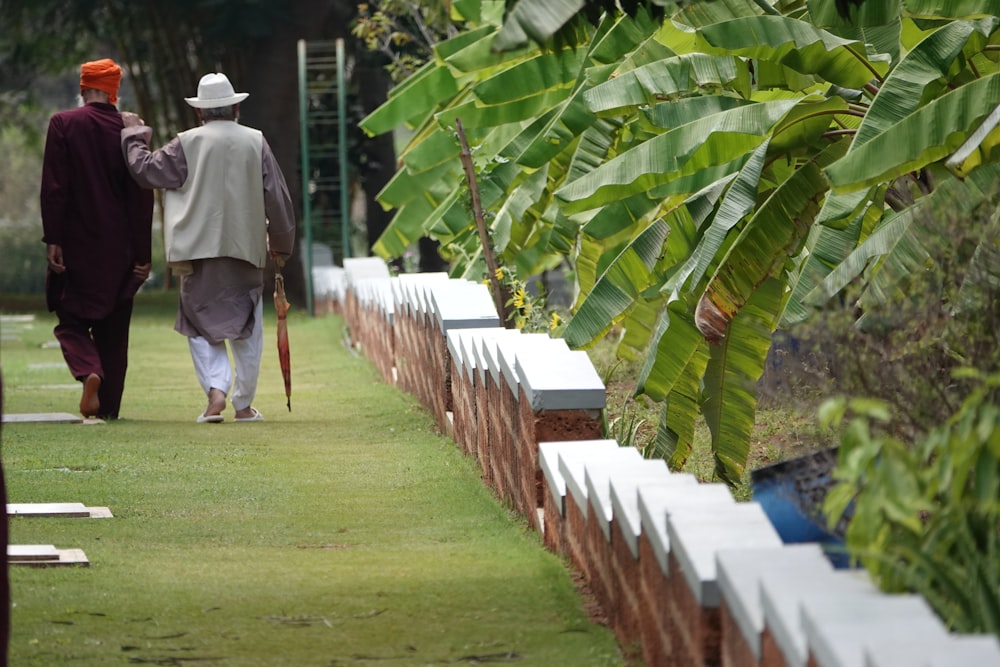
211	363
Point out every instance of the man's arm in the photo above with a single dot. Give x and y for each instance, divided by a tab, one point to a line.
278	207
164	168
54	192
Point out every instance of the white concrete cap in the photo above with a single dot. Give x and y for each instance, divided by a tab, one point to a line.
568	382
461	304
963	650
537	346
548	459
740	572
461	343
598	475
495	348
656	502
485	349
572	468
404	292
329	282
782	593
358	268
838	627
625	500
950	650
697	534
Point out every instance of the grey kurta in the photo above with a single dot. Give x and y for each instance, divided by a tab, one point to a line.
218	298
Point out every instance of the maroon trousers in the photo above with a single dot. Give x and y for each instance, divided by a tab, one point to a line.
100	347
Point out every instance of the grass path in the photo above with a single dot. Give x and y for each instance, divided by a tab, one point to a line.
346	532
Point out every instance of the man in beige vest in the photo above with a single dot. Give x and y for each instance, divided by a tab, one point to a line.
226	208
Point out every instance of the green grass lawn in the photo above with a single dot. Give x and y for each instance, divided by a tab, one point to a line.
345	532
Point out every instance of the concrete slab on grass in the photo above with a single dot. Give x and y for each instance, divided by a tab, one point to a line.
42	418
44	555
64	510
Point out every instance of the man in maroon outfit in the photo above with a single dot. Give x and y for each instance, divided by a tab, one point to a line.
97	228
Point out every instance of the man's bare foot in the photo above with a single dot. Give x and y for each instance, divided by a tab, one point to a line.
90	403
216	402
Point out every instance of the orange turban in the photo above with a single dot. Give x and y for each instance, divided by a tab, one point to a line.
103	75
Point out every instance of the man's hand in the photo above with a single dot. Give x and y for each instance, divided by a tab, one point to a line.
55	256
131	119
141	271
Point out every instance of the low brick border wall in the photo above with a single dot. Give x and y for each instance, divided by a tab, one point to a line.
686	576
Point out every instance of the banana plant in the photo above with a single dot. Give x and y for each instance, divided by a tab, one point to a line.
711	170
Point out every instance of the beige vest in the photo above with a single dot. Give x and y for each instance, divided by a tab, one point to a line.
219	211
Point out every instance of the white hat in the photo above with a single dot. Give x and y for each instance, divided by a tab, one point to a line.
214	90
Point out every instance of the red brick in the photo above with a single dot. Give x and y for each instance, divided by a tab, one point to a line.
602	580
575	535
552	535
544	426
626	613
694	630
734	649
657	650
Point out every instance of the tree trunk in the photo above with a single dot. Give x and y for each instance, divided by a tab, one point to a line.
273	106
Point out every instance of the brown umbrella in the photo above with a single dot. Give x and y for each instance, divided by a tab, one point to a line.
281	308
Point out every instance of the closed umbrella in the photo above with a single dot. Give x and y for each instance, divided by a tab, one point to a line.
281	308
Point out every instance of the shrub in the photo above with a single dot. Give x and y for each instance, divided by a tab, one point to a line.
22	270
919	458
926	518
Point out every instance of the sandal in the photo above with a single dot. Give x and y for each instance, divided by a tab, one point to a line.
255	417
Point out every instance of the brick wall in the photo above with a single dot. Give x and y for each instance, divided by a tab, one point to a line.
699	580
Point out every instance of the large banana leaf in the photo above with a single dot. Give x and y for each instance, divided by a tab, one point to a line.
414	99
701	14
952	9
903	90
827	14
897	242
514	210
619	287
774	233
675	343
825	249
670	349
621	216
571	118
919	139
545	71
739	200
795	44
410	102
638	326
536	20
668	78
475	115
675	433
669	115
734	367
714	140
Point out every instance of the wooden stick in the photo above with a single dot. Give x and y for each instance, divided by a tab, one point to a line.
499	293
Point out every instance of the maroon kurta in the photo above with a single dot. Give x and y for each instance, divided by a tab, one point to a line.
93	208
102	219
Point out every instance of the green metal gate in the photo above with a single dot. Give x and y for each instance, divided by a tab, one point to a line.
323	137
